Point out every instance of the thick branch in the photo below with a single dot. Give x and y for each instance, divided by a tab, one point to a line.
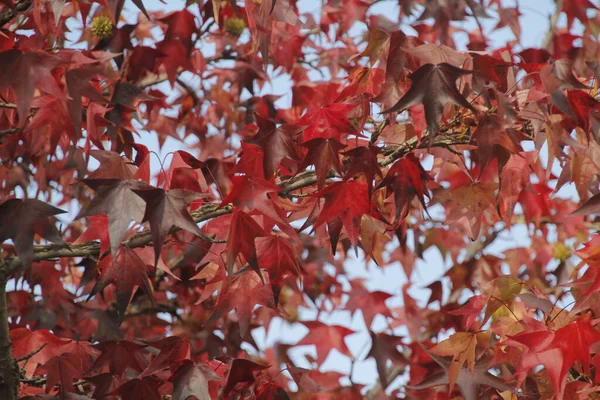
9	371
8	132
390	154
308	178
92	249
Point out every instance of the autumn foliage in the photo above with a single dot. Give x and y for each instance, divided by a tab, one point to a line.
165	205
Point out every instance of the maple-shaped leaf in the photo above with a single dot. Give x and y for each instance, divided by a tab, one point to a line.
384	347
262	16
373	238
252	193
166	209
471	309
276	142
468	380
370	303
97	229
181	25
461	346
349	201
324	155
242	232
539	349
79	86
470	202
104	384
327	122
326	338
144	388
25	341
127	272
250	162
495	140
245	291
434	86
22	219
574	340
117	199
591	206
363	160
278	257
585	109
502	292
241	372
112	166
63	369
191	379
116	356
577	9
26	71
116	6
407	179
271	391
173	350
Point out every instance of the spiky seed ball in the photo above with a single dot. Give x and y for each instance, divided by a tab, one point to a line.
560	251
235	26
101	27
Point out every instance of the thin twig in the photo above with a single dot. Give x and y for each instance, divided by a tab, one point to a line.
33	353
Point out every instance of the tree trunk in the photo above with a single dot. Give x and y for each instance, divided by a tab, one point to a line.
9	370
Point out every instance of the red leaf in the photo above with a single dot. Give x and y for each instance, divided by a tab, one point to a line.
241	372
277	144
326	338
191	379
78	84
241	237
408	179
97	229
63	369
370	303
363	160
25	341
118	355
349	201
434	86
173	350
277	255
384	347
145	388
471	310
166	209
327	122
127	273
245	291
256	194
25	72
117	199
324	155
21	220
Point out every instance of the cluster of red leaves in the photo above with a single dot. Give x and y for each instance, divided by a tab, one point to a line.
155	288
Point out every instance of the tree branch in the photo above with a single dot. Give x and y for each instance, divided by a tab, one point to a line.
9	369
92	249
308	178
7	12
7	132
